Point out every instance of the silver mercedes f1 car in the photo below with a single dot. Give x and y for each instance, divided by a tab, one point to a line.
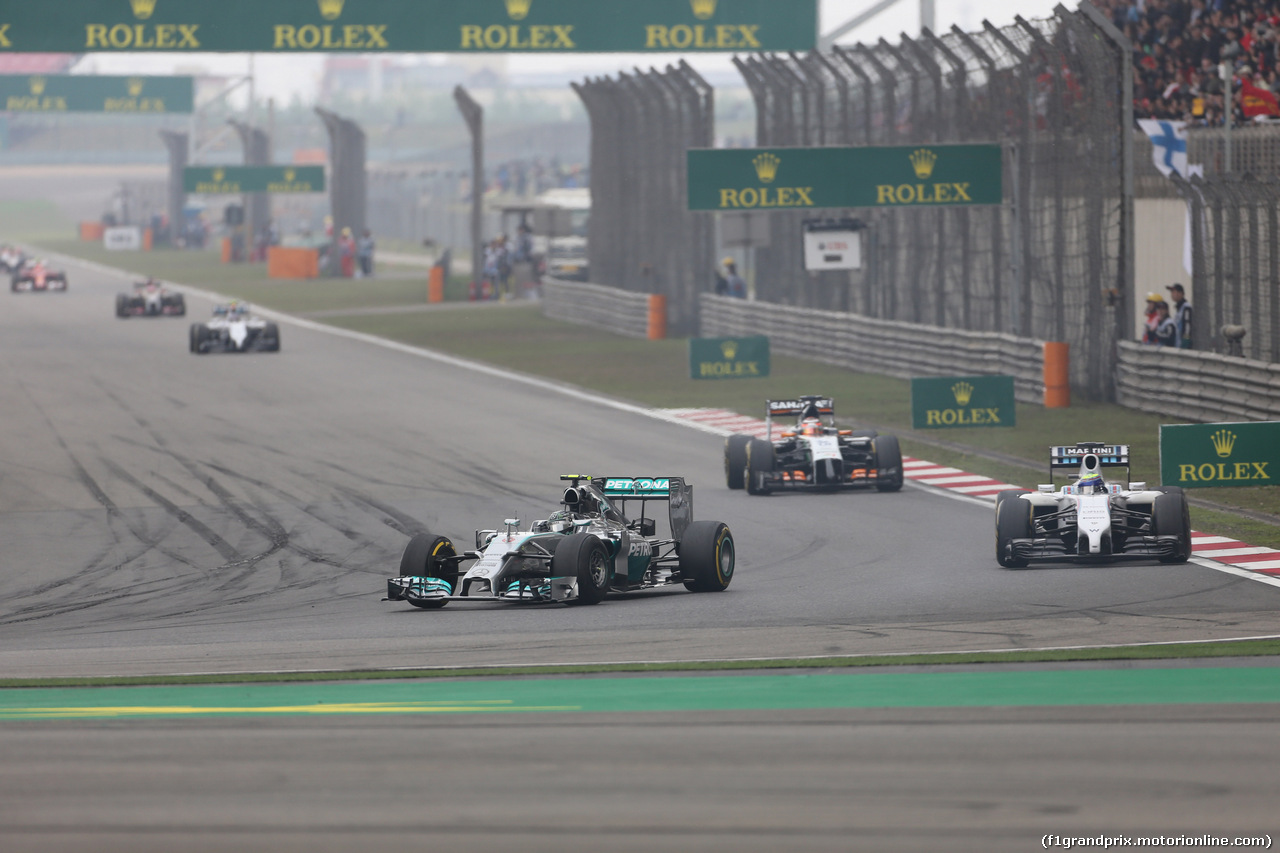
812	454
591	546
1092	519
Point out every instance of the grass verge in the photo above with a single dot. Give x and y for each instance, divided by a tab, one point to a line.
1173	651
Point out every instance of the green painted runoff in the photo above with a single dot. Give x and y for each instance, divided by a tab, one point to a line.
1159	686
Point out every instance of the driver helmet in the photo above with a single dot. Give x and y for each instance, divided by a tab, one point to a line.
219	310
811	426
1091	484
560	521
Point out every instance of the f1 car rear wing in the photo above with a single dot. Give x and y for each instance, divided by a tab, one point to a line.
674	490
1089	455
809	406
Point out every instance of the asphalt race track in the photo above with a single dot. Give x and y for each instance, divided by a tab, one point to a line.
166	513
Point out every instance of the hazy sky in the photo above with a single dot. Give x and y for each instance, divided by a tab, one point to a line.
286	76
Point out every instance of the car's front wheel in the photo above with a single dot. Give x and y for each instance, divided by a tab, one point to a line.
760	464
583	556
1013	521
425	557
1170	516
888	463
735	460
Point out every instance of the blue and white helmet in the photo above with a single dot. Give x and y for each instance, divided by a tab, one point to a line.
1091	483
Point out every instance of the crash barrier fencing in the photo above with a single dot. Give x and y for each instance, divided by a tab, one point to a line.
1235	263
641	236
1255	150
892	347
1197	386
636	315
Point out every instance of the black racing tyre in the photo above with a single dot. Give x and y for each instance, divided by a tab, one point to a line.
707	556
760	464
271	338
888	458
181	303
196	336
423	558
735	460
122	305
1013	521
1171	516
583	556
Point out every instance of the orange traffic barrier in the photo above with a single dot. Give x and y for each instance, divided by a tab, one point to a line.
1057	375
657	317
226	250
91	232
435	284
286	262
147	238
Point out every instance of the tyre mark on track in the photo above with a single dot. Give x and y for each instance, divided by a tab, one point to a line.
222	546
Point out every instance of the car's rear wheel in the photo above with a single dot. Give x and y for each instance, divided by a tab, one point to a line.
1013	521
583	556
760	464
888	463
707	556
425	558
1171	516
735	460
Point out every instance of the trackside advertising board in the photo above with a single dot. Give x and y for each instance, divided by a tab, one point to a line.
962	401
1201	456
228	180
738	179
729	358
85	93
408	26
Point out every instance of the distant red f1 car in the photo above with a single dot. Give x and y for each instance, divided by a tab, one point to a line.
38	275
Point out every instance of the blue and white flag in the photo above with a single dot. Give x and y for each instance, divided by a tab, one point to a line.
1168	144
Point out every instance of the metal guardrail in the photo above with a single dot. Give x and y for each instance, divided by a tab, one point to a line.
612	309
1197	386
891	347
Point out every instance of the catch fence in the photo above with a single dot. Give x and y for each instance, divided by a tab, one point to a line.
1050	263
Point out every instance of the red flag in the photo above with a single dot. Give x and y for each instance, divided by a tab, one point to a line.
1257	102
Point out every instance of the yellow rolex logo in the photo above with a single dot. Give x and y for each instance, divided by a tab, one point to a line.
1223	442
289	175
143	8
703	9
517	9
922	160
134	85
766	167
218	175
729	348
37	85
963	392
330	9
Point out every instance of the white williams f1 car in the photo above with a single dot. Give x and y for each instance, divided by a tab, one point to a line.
232	329
813	454
1092	519
578	554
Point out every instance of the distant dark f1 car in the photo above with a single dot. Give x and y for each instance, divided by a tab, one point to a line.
150	299
38	275
232	329
578	554
813	454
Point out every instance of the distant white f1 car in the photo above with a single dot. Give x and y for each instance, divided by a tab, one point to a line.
233	329
1092	519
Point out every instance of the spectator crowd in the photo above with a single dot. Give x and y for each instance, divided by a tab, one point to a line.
1178	46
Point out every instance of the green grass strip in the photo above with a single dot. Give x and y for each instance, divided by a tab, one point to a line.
1170	651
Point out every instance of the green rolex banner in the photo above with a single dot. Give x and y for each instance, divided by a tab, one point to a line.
962	401
66	93
729	358
229	180
1198	456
